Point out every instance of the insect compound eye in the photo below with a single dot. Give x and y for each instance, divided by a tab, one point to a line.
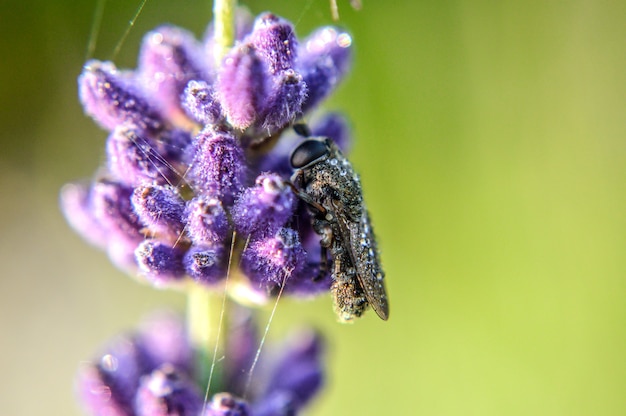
307	152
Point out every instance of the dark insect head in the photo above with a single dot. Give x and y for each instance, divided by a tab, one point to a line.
310	152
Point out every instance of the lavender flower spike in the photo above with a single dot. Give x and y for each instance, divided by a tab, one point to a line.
187	138
150	372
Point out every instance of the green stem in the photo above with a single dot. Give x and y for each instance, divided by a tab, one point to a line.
224	25
203	320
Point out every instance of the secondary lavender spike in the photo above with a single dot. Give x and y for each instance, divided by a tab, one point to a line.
160	263
161	210
162	338
275	41
299	369
206	220
225	404
167	392
263	209
325	58
200	103
206	264
110	98
218	166
242	344
241	86
284	104
276	403
170	57
107	386
271	261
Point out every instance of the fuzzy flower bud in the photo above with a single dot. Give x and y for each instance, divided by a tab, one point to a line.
110	98
242	86
200	103
160	209
160	263
218	166
170	57
265	208
272	260
276	42
205	264
167	392
324	60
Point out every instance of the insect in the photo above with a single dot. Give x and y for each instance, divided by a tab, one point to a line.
332	191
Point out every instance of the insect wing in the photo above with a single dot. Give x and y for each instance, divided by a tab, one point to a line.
358	238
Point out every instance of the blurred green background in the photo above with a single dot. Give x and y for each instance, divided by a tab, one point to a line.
491	139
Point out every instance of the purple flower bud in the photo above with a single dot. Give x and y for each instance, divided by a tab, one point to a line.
276	403
225	404
242	344
218	167
324	60
167	392
299	369
170	57
205	264
112	208
275	41
160	263
161	210
137	158
200	103
207	222
334	126
162	338
109	385
241	86
270	261
284	105
110	98
263	209
76	205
